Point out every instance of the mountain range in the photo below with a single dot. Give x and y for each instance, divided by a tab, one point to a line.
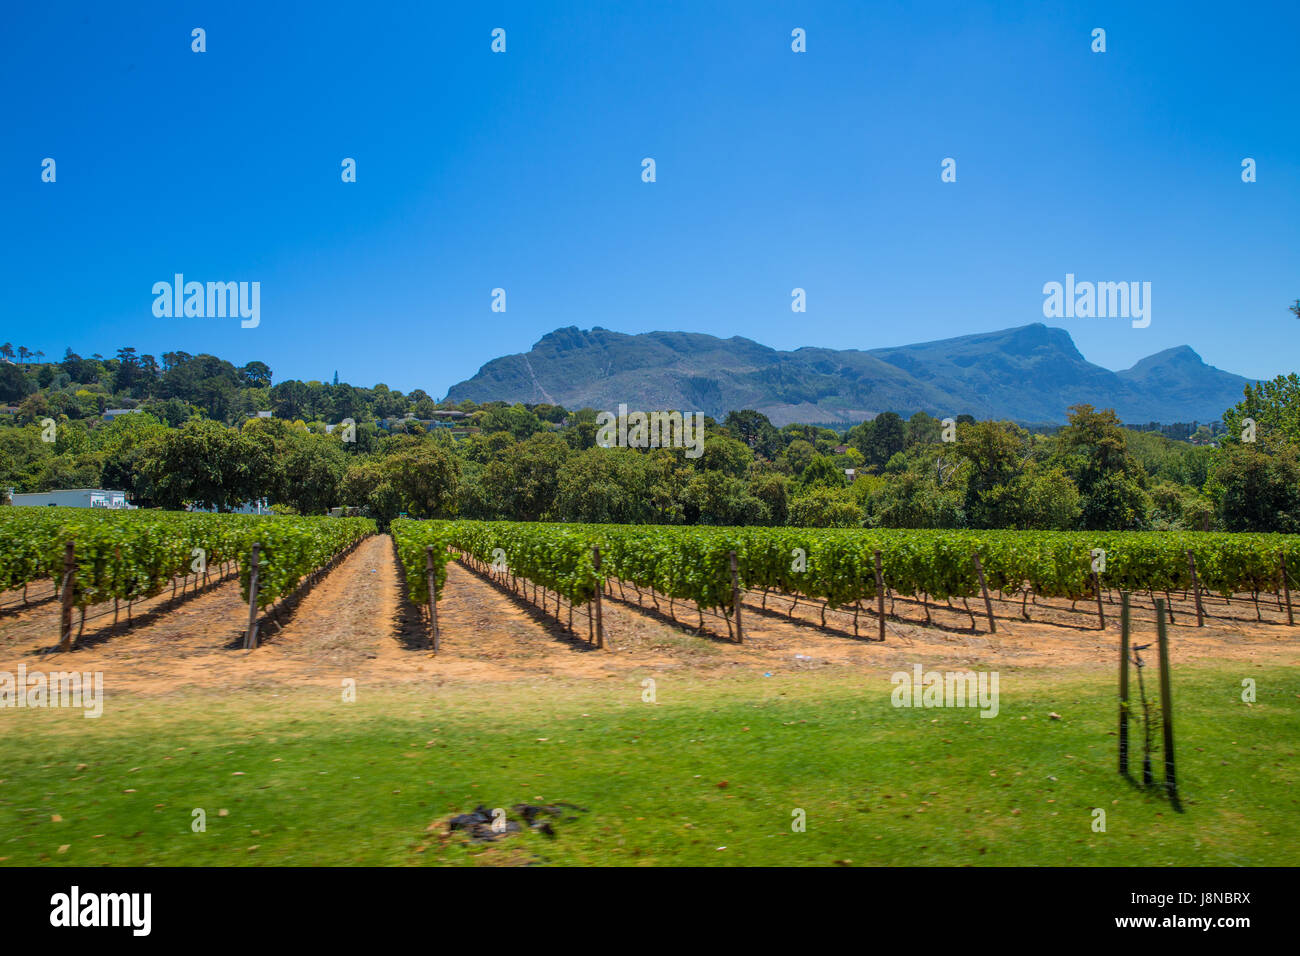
1031	374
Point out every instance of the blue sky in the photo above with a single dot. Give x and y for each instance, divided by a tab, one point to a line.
522	170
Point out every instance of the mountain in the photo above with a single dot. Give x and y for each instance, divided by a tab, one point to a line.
1030	374
1177	378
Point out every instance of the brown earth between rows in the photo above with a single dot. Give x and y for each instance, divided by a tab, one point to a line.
356	624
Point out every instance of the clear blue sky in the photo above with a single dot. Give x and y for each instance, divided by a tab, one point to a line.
523	171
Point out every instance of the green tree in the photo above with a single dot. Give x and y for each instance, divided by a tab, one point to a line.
798	455
755	429
605	485
911	500
922	429
521	483
122	445
34	408
1178	508
255	375
886	438
1043	499
23	457
310	473
290	400
1274	406
727	455
1258	487
822	472
716	498
581	432
774	491
515	419
203	380
68	471
825	508
208	464
994	453
416	477
129	375
15	383
1093	451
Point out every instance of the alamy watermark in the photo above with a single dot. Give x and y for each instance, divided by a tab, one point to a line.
1101	300
56	689
75	908
213	300
951	689
651	430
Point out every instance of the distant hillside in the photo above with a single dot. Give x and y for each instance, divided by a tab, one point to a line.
1028	374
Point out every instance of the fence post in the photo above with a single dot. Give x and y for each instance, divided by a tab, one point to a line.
1166	709
66	595
1196	589
1286	589
600	626
433	594
250	637
880	596
988	604
1096	586
1123	682
735	596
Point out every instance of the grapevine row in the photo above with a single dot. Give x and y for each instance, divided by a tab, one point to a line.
290	549
411	539
134	555
838	565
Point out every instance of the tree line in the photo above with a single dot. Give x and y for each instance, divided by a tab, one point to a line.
194	439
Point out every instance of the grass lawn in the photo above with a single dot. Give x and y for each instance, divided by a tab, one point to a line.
710	774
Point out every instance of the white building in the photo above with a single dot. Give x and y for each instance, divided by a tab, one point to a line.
73	498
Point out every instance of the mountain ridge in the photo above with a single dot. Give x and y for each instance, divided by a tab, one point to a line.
1030	373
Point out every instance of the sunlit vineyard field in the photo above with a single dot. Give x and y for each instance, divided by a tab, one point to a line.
840	566
684	706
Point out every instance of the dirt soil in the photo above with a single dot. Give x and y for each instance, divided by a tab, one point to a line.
356	623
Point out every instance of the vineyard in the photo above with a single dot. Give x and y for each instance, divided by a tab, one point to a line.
839	570
94	557
735	670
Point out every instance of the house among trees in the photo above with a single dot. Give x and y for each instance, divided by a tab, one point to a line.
72	498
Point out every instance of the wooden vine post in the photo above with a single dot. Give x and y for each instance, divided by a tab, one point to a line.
600	627
988	604
1166	706
1101	612
250	637
1196	589
66	596
433	594
880	596
1123	682
1286	590
735	595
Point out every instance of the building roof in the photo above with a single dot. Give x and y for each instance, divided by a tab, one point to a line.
64	491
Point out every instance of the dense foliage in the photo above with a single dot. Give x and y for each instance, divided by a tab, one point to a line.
411	539
189	439
839	565
558	557
292	548
129	555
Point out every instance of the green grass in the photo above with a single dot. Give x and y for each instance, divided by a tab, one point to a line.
324	782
